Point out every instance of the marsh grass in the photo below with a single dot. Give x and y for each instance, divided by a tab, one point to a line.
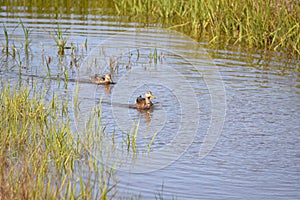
60	39
268	24
39	153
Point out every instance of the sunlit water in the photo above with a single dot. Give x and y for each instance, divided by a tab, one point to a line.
244	107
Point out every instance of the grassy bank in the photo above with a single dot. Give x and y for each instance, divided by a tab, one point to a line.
268	24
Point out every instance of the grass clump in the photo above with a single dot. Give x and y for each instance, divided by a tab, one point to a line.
36	147
40	156
269	24
60	40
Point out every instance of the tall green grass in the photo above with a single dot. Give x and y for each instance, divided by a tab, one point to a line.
40	156
268	24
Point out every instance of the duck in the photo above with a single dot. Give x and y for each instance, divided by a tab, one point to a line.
98	79
144	103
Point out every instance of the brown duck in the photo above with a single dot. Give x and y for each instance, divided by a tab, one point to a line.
144	103
98	79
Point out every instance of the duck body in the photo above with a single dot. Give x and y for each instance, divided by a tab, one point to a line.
144	103
100	80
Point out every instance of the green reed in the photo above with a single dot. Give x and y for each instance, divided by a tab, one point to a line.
131	141
151	141
76	103
269	24
132	137
86	44
60	40
6	45
26	32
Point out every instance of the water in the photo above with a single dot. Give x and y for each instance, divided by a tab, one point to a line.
227	120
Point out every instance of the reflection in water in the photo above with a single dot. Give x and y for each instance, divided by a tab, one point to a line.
146	113
108	89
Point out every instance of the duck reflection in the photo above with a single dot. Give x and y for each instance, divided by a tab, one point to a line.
108	89
146	113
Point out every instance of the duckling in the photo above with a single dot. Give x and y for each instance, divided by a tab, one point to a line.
102	80
144	103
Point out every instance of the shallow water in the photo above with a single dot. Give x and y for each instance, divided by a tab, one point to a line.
227	121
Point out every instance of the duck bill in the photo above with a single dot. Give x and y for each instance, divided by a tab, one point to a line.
110	80
152	96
